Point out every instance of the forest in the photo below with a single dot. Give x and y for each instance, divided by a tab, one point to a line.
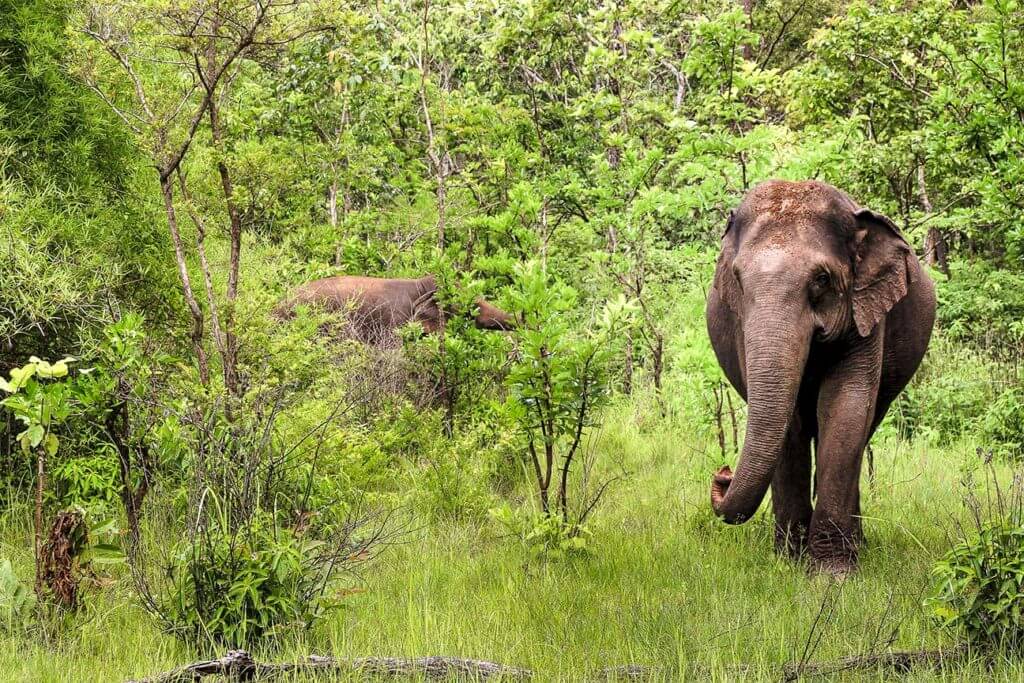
371	340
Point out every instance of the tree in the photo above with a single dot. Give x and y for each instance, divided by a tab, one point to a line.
559	383
164	69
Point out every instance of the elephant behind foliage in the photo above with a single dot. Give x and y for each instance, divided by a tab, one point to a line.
377	307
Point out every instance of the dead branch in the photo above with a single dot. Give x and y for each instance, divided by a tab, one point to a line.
239	665
900	662
897	662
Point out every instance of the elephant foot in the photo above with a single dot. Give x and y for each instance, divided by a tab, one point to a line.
834	551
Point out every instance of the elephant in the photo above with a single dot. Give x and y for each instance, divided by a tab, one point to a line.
377	307
819	315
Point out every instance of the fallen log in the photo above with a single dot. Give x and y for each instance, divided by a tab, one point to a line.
240	666
898	662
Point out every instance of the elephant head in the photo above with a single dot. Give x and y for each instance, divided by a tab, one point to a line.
486	316
801	264
490	317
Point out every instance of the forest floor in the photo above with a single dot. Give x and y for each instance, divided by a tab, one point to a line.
663	585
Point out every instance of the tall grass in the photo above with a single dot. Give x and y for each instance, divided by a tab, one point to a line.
664	584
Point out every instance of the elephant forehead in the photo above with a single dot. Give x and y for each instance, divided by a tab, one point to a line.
786	210
784	197
772	261
795	232
781	262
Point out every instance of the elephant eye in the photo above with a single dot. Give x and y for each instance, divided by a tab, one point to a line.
822	280
736	276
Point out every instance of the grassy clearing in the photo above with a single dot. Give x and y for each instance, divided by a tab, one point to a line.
664	585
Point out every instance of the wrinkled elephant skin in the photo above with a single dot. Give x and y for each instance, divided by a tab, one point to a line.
819	314
377	307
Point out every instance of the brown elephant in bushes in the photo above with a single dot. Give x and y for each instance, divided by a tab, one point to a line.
820	314
377	307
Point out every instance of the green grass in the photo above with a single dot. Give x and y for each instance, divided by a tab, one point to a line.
664	584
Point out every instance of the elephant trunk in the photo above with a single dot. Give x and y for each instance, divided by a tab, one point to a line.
490	317
776	351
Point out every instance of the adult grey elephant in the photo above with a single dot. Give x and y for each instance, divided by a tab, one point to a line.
377	307
819	315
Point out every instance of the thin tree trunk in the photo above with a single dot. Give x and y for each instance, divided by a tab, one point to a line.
627	379
204	265
935	247
441	164
186	283
40	488
230	339
659	355
332	201
748	9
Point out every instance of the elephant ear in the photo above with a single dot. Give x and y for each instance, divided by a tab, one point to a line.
725	280
882	269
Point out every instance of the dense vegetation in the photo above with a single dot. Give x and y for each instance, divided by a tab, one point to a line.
182	472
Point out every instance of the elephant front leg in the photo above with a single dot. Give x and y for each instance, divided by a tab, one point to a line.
791	492
846	407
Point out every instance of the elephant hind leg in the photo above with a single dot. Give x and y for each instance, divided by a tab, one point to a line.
791	491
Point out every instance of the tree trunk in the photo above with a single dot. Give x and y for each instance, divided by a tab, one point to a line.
186	283
748	9
627	379
936	250
659	359
40	489
230	354
332	202
935	247
204	264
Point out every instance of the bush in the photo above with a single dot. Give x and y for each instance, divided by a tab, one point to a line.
1003	423
983	305
457	477
981	585
981	399
236	588
263	549
558	382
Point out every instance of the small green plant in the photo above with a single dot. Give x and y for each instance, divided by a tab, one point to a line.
980	580
39	405
544	536
16	599
981	586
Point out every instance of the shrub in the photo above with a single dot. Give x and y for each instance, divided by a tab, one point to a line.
1003	423
558	382
980	580
544	536
983	305
455	477
981	585
263	550
236	588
